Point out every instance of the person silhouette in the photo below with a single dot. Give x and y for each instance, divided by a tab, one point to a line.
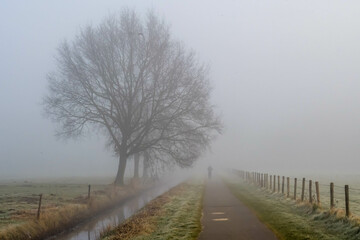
209	171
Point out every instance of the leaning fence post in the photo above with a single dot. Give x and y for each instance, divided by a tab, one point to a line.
283	184
38	212
303	189
287	187
347	200
332	195
295	183
317	193
310	191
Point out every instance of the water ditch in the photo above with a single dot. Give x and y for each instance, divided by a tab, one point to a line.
92	228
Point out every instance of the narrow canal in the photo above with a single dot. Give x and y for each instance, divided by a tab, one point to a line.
92	228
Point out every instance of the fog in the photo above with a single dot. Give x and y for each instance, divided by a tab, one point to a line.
285	79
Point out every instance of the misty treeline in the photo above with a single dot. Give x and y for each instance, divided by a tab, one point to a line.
144	91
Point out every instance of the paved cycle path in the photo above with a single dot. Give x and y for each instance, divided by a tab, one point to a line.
226	218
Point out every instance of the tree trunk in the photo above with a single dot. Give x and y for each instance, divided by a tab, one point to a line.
136	165
119	180
146	165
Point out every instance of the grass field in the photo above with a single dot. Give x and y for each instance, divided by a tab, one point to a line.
291	220
19	200
64	206
173	215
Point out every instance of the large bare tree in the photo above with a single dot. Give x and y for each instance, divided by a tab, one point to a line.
143	90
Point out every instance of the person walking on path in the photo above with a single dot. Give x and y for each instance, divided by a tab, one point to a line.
209	171
225	217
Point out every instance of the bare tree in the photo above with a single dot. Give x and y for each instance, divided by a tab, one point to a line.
142	89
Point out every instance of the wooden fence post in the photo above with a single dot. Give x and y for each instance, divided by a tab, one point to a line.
283	185
303	189
317	193
347	200
274	188
287	187
270	182
295	183
310	191
265	178
278	184
332	196
89	187
260	179
38	212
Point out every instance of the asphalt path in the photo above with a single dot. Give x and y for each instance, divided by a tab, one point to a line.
226	218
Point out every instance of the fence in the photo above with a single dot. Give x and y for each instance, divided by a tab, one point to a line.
306	190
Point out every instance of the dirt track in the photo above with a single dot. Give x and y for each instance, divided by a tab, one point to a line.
225	217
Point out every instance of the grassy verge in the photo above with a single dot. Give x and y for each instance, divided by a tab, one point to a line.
19	201
173	215
60	218
290	220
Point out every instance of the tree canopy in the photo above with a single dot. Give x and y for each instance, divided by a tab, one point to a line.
142	89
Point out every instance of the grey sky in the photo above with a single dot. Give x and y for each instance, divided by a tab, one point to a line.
286	80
